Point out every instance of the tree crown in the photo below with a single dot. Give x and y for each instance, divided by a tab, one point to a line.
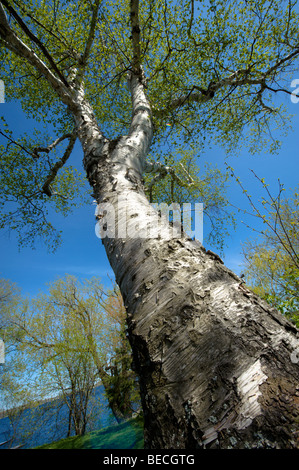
211	70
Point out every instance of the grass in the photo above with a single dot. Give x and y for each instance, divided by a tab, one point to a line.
127	435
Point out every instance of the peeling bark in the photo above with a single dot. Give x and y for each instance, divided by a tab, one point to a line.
214	360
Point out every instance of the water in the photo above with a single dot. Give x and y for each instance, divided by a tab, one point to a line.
49	422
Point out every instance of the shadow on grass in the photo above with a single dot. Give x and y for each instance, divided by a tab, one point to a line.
127	435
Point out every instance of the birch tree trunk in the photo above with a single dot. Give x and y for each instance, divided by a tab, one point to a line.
215	362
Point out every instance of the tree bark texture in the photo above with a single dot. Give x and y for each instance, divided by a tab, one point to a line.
213	359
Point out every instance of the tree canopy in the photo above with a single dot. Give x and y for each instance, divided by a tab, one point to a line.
241	52
213	72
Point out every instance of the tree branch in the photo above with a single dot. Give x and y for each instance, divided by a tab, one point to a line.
76	74
59	38
141	128
17	46
260	100
134	17
35	40
52	175
236	79
282	61
32	154
191	18
91	34
288	247
162	171
53	145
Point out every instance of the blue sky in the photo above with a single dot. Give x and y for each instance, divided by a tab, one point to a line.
82	253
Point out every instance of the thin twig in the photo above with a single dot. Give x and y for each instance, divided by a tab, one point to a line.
52	175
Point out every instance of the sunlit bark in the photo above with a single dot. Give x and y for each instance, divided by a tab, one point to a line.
214	360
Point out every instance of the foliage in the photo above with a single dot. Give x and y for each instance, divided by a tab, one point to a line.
213	70
26	204
272	261
9	297
187	182
123	389
183	45
64	341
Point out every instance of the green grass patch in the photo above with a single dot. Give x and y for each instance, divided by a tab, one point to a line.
127	435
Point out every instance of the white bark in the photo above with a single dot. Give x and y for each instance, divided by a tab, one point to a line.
211	356
214	361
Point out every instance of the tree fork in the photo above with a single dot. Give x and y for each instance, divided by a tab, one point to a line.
214	360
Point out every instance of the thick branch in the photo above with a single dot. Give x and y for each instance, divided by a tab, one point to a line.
202	95
53	145
141	129
91	34
192	18
164	170
76	74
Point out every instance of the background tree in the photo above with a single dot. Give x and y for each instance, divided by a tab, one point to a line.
76	378
9	297
66	341
272	260
15	399
123	389
210	355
